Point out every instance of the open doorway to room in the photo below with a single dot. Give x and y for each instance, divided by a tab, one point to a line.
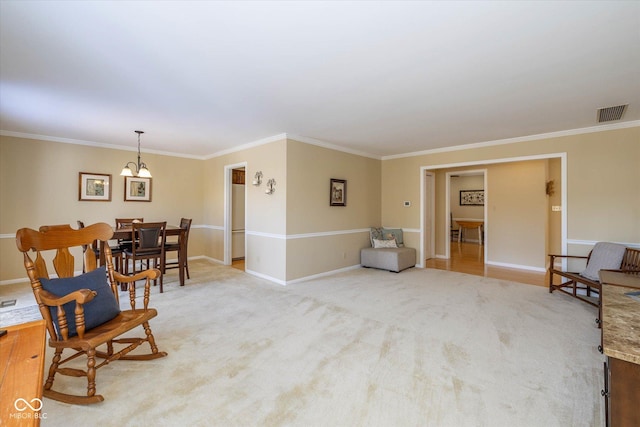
516	211
466	212
235	215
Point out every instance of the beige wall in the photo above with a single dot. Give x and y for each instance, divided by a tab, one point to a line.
39	185
328	238
295	233
516	231
603	183
265	225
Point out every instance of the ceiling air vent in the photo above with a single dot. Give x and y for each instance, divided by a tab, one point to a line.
611	113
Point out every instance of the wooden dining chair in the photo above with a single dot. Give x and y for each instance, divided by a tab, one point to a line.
83	313
180	247
117	253
149	239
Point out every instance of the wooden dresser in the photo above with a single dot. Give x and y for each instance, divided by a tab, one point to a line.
621	345
22	352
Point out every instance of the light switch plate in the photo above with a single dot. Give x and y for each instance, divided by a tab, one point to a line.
556	208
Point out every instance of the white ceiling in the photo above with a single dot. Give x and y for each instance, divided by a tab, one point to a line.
382	78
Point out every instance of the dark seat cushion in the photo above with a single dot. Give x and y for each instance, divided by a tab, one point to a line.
102	308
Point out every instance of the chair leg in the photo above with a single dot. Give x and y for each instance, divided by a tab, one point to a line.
53	369
91	372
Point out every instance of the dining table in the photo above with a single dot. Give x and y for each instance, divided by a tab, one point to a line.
126	233
470	225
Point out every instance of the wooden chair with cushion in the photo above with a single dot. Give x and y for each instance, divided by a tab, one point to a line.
180	247
581	285
82	313
149	239
126	223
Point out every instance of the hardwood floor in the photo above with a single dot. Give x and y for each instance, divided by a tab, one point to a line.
238	263
469	258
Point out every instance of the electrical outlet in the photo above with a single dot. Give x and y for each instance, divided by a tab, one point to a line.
407	203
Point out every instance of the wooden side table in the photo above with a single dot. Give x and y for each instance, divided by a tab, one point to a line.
22	352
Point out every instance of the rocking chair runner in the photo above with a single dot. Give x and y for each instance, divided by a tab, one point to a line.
80	336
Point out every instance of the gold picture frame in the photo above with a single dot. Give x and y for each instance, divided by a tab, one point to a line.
94	187
137	189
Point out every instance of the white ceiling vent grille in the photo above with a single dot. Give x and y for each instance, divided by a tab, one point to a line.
611	113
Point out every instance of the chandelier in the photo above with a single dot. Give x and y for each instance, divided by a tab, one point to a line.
141	168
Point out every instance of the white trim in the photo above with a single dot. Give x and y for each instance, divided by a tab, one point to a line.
312	141
306	235
564	196
519	267
326	233
323	144
571	132
95	144
248	145
326	273
267	235
593	242
302	279
8	236
209	227
266	277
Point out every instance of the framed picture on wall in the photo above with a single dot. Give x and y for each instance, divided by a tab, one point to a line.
94	187
338	192
471	197
137	189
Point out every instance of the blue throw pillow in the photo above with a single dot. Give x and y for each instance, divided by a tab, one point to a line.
102	308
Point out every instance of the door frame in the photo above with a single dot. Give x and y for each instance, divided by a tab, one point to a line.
564	185
485	173
228	206
427	215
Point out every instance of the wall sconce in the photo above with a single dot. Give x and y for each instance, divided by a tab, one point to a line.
549	188
271	186
257	179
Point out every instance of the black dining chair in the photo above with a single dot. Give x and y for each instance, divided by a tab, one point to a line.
148	243
180	247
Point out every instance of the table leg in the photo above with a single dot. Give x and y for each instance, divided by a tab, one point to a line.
460	233
480	234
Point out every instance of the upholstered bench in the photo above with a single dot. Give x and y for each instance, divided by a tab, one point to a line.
388	251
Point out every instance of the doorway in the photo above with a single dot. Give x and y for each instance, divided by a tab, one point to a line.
470	182
443	222
235	203
428	240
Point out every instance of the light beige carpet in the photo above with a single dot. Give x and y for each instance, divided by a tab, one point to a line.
361	348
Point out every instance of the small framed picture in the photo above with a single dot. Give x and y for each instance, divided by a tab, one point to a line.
338	192
94	187
137	189
471	197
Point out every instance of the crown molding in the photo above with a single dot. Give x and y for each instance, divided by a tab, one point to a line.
312	141
263	141
571	132
94	144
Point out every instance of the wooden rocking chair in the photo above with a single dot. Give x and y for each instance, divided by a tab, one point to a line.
76	318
